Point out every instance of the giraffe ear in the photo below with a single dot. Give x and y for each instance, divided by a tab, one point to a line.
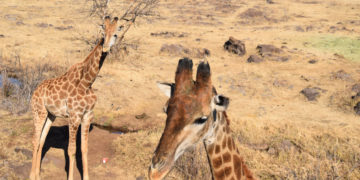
166	88
220	103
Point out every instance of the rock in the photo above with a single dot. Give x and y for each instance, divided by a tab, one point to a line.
270	1
168	34
272	151
140	178
142	116
20	23
2	36
311	93
280	58
299	29
42	25
356	88
26	152
254	59
235	46
313	61
268	50
357	108
62	28
342	75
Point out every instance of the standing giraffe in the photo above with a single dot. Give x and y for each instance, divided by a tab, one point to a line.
196	113
70	96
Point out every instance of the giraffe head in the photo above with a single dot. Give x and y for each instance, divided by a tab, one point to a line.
190	115
110	31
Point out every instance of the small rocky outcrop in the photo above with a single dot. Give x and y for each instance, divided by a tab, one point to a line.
268	50
311	93
235	46
254	59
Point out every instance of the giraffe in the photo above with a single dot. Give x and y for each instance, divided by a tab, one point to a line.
195	112
70	96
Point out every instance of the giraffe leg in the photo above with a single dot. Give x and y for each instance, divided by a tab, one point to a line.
40	116
85	125
73	127
49	120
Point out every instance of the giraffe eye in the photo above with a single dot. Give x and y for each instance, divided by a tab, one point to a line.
201	120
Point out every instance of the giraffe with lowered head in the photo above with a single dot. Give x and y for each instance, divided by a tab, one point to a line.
70	96
195	112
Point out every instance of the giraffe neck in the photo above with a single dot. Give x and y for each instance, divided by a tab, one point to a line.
223	155
92	65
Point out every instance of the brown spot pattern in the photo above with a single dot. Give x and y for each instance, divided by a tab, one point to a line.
219	175
226	157
224	143
217	162
217	149
227	171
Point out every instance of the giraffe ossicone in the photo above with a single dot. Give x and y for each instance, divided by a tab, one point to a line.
196	113
70	96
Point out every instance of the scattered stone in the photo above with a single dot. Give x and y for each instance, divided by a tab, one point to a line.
206	52
43	25
342	75
313	61
357	108
280	83
272	151
235	46
140	178
309	28
26	152
268	50
299	29
311	93
168	34
356	88
19	23
62	28
142	116
254	59
281	58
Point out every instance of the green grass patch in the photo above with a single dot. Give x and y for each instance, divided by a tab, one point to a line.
349	47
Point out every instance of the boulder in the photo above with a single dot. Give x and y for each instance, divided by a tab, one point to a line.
311	93
254	59
268	50
235	46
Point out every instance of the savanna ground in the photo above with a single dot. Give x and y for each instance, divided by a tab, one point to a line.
280	133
